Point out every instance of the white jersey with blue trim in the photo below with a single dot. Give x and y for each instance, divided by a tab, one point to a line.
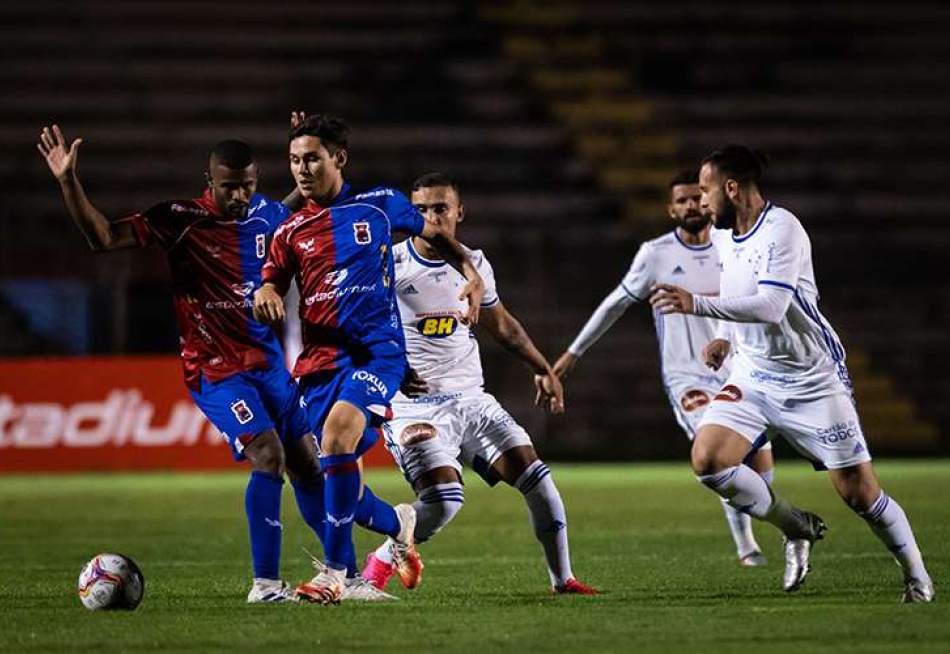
802	350
670	260
440	347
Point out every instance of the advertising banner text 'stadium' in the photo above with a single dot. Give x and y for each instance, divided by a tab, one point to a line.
115	413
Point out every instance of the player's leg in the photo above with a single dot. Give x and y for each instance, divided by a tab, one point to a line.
747	548
424	443
689	401
859	488
234	406
499	444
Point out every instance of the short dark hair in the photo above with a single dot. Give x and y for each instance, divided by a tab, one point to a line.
232	154
738	162
436	180
690	176
332	132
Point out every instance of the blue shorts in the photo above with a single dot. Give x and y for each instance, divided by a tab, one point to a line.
252	402
370	387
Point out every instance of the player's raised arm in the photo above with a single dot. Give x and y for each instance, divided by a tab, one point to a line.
456	256
100	233
605	315
508	332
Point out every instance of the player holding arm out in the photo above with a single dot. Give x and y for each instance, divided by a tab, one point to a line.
451	420
789	374
233	365
686	256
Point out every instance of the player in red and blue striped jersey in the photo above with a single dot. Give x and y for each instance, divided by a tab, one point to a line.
233	364
338	247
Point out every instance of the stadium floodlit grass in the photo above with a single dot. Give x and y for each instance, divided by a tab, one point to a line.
647	534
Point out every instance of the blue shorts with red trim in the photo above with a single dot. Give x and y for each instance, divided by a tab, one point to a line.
249	403
369	386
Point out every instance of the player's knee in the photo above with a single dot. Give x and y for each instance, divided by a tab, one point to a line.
342	430
266	453
417	433
704	459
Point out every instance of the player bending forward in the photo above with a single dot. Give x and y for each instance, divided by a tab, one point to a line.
454	417
233	364
788	374
685	256
338	248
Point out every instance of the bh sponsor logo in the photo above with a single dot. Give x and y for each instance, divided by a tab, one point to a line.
437	326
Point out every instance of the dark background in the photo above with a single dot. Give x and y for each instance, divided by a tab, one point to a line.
563	123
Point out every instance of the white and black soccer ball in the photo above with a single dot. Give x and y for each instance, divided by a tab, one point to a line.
111	581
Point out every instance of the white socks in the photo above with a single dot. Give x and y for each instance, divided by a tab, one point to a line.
435	508
889	523
548	518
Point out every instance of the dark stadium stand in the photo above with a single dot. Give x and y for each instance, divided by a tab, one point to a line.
562	121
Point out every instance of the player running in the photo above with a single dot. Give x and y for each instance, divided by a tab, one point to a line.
788	373
684	256
233	364
453	417
339	249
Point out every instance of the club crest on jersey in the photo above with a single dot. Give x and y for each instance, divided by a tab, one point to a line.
437	326
260	245
242	412
361	233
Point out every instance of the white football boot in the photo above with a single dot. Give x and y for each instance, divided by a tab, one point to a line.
270	591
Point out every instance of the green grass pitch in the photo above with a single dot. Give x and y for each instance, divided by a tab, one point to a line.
648	535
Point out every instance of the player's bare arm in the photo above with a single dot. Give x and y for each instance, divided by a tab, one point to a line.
456	256
509	333
268	304
565	364
100	233
668	298
715	353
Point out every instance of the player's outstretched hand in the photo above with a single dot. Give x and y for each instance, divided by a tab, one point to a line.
667	298
413	385
550	396
715	353
473	291
268	305
60	159
297	117
565	364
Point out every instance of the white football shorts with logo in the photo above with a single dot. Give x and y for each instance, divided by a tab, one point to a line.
473	428
691	396
822	427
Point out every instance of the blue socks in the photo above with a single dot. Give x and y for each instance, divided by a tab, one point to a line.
341	493
376	515
262	505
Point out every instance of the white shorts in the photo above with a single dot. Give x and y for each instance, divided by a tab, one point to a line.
691	398
473	428
824	429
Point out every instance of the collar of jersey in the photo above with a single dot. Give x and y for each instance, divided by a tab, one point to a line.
428	263
755	228
346	193
676	233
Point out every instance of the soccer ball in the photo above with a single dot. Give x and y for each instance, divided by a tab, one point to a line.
111	581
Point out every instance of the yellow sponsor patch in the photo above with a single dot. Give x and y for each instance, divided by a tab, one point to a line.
437	326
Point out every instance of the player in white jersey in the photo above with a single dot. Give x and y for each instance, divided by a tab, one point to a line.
685	257
450	416
788	373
